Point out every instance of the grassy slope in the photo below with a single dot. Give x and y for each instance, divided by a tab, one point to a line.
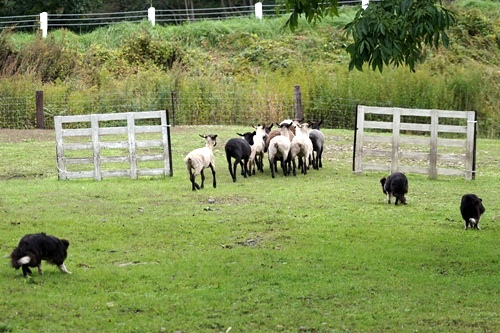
321	252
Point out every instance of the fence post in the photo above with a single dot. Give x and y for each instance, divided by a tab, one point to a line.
396	124
258	10
364	3
44	23
39	110
151	15
433	144
172	99
298	103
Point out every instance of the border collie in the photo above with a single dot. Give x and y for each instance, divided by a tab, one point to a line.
33	248
471	208
395	185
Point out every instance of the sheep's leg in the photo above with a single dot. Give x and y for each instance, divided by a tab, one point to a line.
285	165
192	178
230	167
244	169
293	166
397	199
213	174
320	153
247	170
235	165
272	165
202	174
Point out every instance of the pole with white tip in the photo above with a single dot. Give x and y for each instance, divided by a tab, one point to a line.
258	10
151	15
44	23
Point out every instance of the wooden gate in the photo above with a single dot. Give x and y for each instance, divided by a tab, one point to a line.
113	145
382	144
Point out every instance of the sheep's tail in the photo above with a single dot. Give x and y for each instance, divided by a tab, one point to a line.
189	164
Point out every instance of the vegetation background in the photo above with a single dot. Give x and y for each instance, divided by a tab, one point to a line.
322	252
242	71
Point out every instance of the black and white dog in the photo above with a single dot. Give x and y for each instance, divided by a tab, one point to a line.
395	185
33	248
471	208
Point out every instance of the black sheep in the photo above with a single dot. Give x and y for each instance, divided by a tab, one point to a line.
240	149
395	185
471	208
318	141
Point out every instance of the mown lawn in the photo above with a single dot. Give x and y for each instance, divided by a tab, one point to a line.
316	253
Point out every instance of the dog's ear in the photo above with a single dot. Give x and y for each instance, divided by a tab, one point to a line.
65	242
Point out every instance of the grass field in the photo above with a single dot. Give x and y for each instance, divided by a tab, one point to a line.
321	252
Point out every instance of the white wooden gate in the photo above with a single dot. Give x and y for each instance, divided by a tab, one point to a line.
369	146
101	146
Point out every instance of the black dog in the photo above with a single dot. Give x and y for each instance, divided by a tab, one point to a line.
471	209
34	248
395	185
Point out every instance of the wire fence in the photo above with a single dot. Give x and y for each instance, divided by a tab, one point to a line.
223	109
89	21
226	108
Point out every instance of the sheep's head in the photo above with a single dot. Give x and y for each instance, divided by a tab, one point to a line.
210	139
315	125
268	129
248	136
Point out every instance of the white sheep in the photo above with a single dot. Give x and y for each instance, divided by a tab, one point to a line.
301	148
258	147
279	148
200	159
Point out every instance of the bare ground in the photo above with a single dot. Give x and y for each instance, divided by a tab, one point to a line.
22	135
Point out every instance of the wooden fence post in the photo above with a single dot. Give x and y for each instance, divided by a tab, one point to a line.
433	145
298	103
152	15
39	110
172	98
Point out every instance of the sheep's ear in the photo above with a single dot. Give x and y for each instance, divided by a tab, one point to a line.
254	133
271	126
203	136
320	122
239	134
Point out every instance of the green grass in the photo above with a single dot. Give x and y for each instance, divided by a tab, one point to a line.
315	253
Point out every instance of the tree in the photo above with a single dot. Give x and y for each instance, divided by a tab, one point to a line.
388	32
33	7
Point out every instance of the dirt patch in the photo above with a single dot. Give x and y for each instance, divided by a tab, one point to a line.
26	135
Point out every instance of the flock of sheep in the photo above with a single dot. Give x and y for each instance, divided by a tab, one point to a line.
296	144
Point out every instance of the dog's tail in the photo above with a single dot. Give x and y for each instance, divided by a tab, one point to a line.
472	221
